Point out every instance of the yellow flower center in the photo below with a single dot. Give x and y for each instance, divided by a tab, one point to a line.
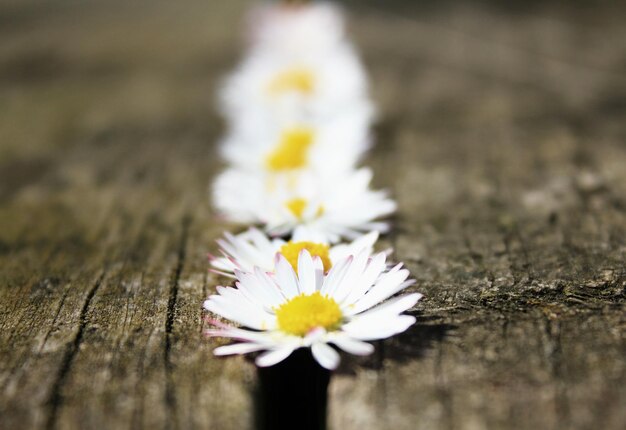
296	79
291	251
292	150
297	206
304	313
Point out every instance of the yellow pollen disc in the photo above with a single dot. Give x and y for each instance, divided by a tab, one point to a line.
297	79
291	251
292	150
304	313
296	206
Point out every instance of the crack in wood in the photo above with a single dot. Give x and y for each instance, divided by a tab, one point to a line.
170	394
54	321
554	355
55	400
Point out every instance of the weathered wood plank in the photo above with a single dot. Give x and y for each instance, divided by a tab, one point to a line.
99	304
511	219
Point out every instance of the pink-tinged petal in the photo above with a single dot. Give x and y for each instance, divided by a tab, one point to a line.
313	336
243	335
225	274
239	348
318	264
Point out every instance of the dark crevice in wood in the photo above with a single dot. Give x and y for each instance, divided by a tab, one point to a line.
54	321
56	395
138	410
442	392
510	234
554	355
170	395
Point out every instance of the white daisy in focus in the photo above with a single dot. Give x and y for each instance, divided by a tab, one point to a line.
287	310
269	86
332	146
318	208
314	27
253	248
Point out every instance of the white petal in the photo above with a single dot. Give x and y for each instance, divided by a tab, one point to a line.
306	272
272	357
223	264
318	264
263	338
387	285
254	255
352	346
256	288
239	348
392	307
319	273
375	266
325	355
305	233
368	329
238	310
285	277
350	281
245	252
335	276
365	241
269	287
230	249
263	243
314	336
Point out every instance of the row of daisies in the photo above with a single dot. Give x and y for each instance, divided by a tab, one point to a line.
298	117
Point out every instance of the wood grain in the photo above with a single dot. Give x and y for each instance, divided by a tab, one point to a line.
501	133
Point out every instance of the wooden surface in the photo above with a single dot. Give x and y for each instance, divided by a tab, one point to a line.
501	133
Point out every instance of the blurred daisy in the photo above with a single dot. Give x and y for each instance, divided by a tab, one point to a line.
289	29
268	86
319	208
288	310
332	146
253	248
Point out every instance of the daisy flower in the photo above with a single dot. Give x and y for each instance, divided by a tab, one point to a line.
287	310
253	248
320	208
314	27
335	145
269	86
